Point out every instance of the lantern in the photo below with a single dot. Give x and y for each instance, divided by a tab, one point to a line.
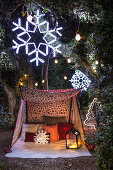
73	139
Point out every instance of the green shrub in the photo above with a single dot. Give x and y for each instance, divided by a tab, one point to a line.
104	142
6	120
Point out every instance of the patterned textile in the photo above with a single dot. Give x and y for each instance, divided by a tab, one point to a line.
54	103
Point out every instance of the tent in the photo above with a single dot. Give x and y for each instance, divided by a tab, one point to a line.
36	103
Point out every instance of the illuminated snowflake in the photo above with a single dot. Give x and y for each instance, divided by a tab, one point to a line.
24	38
80	80
41	137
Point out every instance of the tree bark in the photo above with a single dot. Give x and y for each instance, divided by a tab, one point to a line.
11	98
46	66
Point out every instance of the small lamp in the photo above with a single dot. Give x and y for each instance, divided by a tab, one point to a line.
73	139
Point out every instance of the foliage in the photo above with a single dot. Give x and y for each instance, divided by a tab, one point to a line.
104	141
6	121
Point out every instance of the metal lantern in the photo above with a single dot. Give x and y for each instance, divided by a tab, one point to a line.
73	139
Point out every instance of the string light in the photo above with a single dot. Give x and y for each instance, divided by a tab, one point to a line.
88	115
21	84
56	61
49	37
65	77
78	37
68	60
36	84
43	81
29	18
96	62
25	75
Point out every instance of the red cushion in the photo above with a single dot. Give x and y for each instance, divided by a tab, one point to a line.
29	137
63	128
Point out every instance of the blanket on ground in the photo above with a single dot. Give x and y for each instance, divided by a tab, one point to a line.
56	149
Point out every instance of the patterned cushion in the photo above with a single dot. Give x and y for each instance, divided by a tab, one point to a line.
42	137
53	130
32	128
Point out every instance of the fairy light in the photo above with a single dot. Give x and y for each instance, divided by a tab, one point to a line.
43	81
25	75
77	37
68	60
88	115
56	61
65	77
36	84
21	84
96	62
29	18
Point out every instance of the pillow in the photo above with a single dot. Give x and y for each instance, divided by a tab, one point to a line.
53	120
32	128
53	130
42	137
29	137
63	128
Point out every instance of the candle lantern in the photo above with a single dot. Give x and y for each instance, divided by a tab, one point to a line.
73	139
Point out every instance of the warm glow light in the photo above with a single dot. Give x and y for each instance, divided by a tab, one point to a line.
96	62
21	84
36	84
43	81
73	146
56	61
29	18
25	75
65	77
77	37
68	60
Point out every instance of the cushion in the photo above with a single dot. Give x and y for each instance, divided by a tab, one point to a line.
32	128
29	137
42	137
53	130
53	120
63	128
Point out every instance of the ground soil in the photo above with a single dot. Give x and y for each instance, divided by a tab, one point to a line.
80	163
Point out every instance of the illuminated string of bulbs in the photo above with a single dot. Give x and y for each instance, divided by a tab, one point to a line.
88	115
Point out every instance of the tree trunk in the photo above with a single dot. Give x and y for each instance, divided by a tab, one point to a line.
11	98
46	66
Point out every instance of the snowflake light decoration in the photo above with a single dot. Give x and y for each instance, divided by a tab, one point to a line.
41	137
80	80
49	38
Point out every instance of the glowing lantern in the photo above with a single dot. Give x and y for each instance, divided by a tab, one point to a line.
73	139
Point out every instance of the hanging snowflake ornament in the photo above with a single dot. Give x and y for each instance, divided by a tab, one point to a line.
45	38
80	80
42	137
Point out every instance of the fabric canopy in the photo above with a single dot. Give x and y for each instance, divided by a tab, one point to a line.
56	103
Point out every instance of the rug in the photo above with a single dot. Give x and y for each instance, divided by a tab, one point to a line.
56	149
